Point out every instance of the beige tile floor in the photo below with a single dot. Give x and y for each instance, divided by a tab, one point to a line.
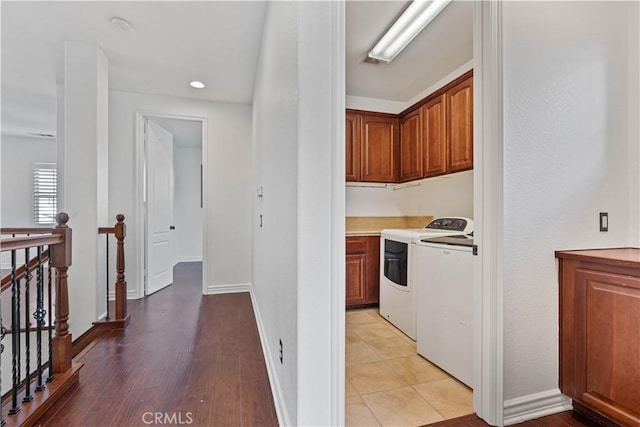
389	384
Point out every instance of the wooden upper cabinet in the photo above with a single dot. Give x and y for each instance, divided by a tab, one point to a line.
430	138
460	126
379	149
434	130
411	146
353	127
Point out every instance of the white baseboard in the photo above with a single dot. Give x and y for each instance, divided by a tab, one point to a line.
228	289
276	390
535	406
190	259
131	294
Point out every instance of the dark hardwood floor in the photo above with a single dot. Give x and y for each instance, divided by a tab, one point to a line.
563	419
189	360
185	358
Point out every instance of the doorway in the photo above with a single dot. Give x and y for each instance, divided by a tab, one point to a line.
487	396
172	203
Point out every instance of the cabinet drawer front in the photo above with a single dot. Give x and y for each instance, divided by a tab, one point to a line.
608	342
356	246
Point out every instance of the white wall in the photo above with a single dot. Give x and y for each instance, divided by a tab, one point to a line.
448	195
566	158
83	152
19	156
298	110
634	124
187	212
275	157
227	181
365	200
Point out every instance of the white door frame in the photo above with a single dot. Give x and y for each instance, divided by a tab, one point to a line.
488	216
139	209
488	211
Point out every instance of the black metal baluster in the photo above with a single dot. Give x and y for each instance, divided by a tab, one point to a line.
39	316
27	327
107	237
15	335
3	332
50	322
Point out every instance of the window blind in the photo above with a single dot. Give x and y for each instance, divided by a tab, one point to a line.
45	183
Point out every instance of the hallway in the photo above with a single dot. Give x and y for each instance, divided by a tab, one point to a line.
184	359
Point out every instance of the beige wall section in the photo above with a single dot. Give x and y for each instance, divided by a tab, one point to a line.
373	225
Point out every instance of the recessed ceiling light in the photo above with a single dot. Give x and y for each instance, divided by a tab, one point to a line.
197	84
121	23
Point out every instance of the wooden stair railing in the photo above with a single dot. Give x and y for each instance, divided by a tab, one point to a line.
121	319
13	231
24	406
20	271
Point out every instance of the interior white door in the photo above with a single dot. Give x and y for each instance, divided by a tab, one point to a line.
160	189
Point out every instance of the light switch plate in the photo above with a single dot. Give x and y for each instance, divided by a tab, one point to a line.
604	221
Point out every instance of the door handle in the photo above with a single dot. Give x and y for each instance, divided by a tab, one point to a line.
172	227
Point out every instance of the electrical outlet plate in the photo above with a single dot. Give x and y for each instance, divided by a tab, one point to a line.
604	221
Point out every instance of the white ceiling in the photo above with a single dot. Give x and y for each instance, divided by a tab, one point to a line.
217	42
170	44
444	45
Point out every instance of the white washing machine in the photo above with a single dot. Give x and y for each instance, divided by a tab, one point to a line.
397	287
443	277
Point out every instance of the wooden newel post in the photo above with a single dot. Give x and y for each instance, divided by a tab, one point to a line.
61	261
121	284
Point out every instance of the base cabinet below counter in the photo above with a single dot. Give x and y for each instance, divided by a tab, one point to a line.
362	271
600	333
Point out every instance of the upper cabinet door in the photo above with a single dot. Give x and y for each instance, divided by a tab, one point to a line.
379	149
460	130
434	129
411	146
352	143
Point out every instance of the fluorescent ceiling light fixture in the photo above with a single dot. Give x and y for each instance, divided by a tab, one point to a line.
413	20
197	84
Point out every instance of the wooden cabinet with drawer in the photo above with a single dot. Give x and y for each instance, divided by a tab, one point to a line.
600	332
